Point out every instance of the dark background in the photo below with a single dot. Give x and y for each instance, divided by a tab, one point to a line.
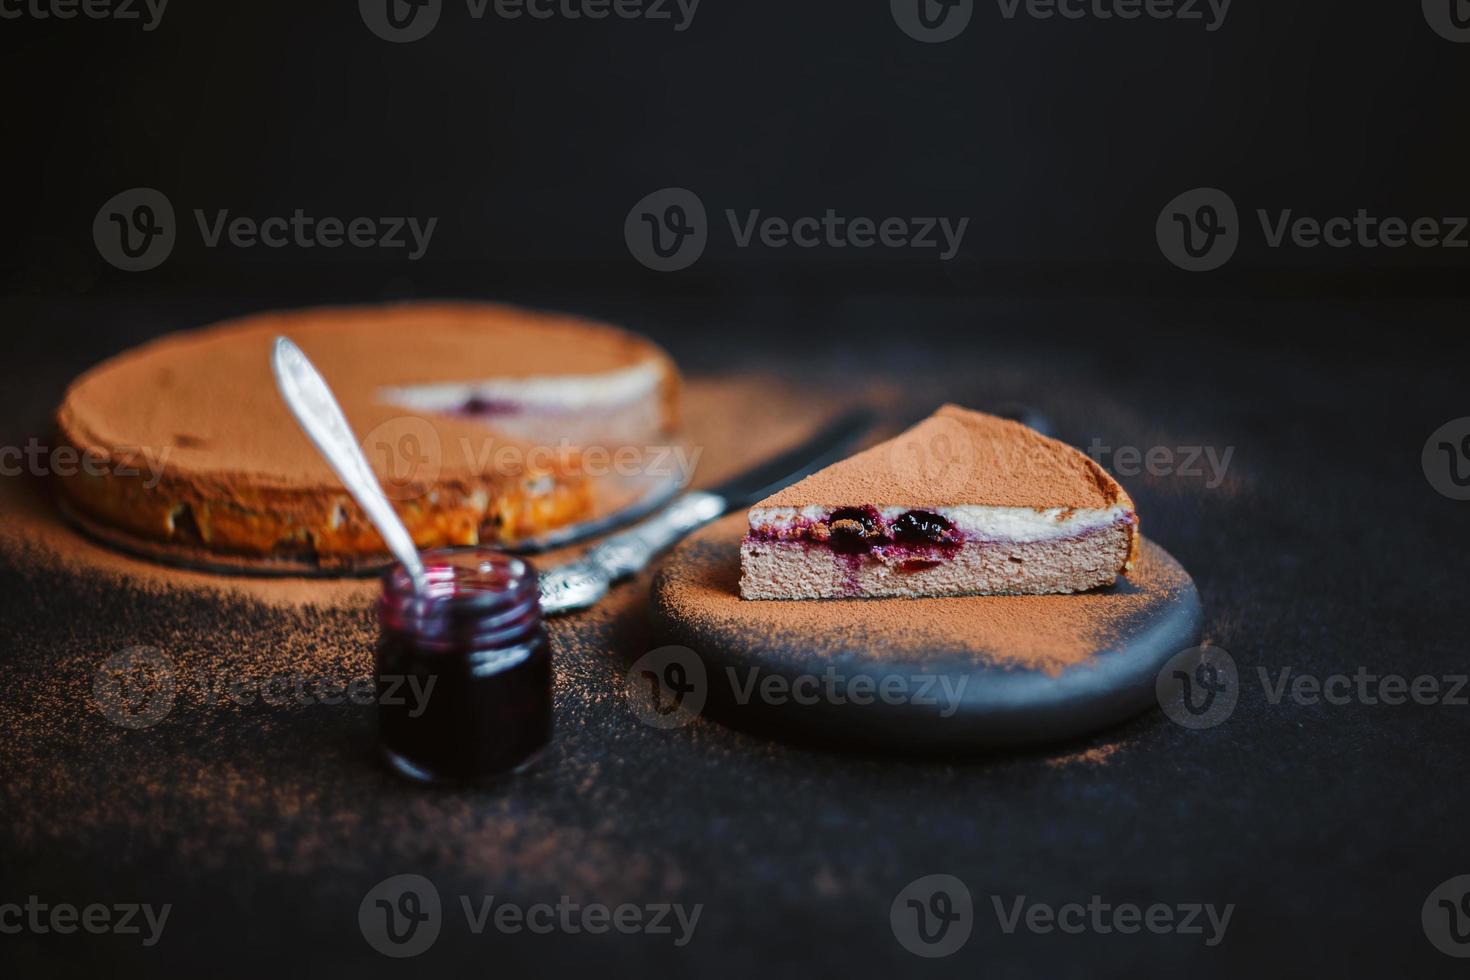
530	141
1326	370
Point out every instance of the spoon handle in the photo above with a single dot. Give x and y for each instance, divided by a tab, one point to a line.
311	401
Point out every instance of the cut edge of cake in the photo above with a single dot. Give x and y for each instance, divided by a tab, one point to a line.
963	503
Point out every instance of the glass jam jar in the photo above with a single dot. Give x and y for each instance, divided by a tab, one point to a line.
463	669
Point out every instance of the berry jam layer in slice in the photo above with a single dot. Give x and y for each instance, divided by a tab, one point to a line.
871	551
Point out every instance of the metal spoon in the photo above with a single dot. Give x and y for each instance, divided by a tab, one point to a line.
311	401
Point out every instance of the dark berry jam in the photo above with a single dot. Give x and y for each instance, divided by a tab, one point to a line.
464	669
916	528
488	406
854	529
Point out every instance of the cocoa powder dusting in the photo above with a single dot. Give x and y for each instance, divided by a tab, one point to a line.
958	456
1097	755
298	784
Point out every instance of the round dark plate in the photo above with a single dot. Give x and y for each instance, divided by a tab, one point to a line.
952	673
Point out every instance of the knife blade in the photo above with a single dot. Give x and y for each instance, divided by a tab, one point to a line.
580	583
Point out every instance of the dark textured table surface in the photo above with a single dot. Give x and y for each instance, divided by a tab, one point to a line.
1322	549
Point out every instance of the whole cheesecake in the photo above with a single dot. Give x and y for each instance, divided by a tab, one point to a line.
475	417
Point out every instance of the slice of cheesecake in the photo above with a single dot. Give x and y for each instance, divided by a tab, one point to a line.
963	503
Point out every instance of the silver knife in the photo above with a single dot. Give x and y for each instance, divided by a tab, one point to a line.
580	583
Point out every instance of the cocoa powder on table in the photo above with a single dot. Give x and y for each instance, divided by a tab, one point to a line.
299	786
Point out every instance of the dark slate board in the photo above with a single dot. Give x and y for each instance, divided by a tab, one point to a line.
954	694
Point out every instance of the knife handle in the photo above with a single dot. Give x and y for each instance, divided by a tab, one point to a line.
580	583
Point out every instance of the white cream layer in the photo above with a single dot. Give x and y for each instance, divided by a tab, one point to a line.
986	523
569	393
